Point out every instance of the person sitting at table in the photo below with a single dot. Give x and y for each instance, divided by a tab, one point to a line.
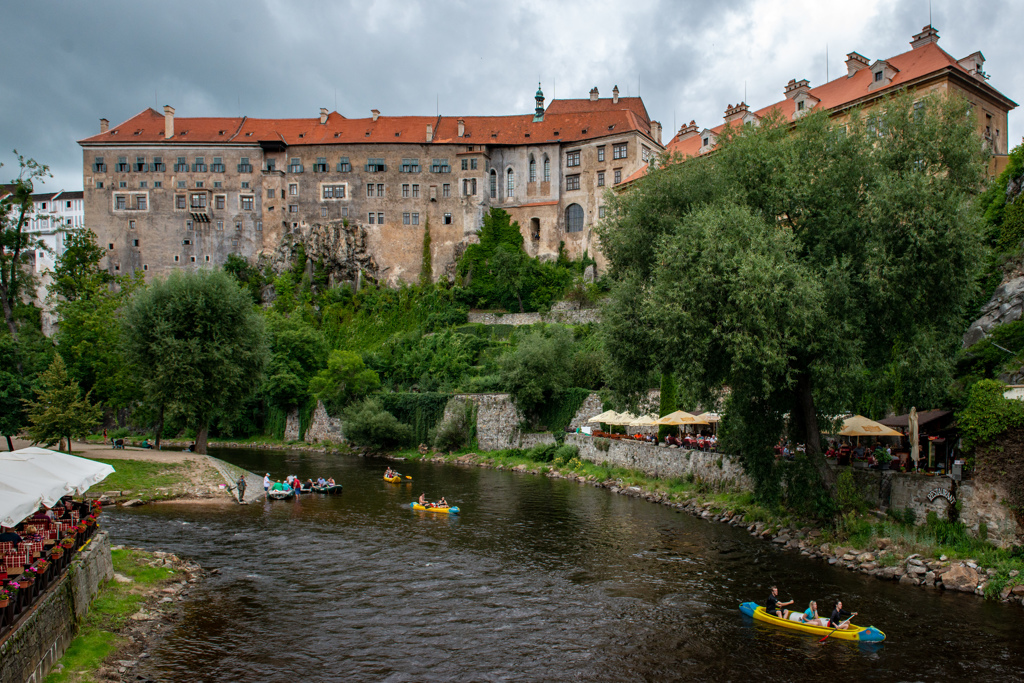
11	536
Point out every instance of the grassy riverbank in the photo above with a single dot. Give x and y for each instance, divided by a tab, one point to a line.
893	540
131	597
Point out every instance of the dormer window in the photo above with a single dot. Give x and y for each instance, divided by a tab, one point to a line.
879	76
704	142
800	105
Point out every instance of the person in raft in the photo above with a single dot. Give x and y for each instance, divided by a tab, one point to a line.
330	481
423	500
772	605
809	616
442	503
837	617
389	473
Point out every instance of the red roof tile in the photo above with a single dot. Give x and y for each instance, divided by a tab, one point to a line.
845	91
148	127
633	104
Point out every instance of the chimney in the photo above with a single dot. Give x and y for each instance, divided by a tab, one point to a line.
430	133
615	95
687	131
732	113
104	125
656	131
376	113
594	95
323	114
795	87
927	35
855	62
168	121
462	127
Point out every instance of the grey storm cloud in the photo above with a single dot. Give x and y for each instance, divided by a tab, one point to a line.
69	63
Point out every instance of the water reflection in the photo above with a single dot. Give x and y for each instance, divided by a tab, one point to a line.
538	579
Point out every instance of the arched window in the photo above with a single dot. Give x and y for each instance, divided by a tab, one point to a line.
494	184
547	169
510	187
533	169
574	218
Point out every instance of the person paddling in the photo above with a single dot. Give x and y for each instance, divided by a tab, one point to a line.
423	499
773	604
836	621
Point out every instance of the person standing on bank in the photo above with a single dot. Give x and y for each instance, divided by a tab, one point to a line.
772	605
266	482
241	488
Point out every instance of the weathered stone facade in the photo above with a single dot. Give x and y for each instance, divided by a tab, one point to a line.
662	461
591	407
29	652
292	425
164	194
323	428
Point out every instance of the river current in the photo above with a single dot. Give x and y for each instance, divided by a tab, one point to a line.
536	580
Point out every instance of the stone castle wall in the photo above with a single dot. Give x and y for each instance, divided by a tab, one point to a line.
564	317
324	428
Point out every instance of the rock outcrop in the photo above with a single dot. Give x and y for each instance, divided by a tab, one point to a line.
1005	306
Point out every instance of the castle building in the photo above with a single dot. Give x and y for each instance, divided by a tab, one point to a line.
164	193
925	69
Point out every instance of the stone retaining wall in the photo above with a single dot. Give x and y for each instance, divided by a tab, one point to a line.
591	407
564	317
322	427
291	425
662	461
29	652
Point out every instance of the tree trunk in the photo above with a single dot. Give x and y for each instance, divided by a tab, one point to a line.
10	446
159	428
812	434
202	436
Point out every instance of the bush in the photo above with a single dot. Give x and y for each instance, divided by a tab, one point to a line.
543	452
988	414
565	454
367	424
602	444
457	431
847	496
537	369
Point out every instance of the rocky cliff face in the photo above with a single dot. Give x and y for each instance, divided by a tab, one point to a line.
1005	306
342	248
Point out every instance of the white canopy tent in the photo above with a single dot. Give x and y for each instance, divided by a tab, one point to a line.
31	477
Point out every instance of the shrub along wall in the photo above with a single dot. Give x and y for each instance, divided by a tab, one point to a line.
421	411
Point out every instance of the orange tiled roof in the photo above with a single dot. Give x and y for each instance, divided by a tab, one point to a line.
148	127
845	91
633	104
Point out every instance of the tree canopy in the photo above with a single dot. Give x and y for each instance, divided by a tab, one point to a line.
812	268
59	410
196	344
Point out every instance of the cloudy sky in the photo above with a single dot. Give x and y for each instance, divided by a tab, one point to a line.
66	64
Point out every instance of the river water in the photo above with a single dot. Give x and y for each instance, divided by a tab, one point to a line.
536	580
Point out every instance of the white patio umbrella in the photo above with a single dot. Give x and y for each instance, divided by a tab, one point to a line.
36	476
603	417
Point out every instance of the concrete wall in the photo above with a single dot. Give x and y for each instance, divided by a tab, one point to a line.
662	461
29	652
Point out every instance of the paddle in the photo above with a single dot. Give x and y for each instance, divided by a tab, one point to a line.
837	628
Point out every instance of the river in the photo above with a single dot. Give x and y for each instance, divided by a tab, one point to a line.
537	580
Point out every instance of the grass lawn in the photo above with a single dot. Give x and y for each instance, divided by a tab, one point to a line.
109	612
138	475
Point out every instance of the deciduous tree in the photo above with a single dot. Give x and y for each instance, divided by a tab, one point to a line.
59	410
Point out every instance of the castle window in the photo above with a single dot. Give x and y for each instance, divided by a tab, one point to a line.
238	225
547	169
344	166
620	151
572	158
415	191
533	169
371	190
158	165
472	164
405	190
131	225
600	212
574	218
246	202
270	193
98	166
494	184
334	191
244	166
140	165
510	183
245	185
259	226
410	166
176	258
323	212
415	218
293	208
199	166
618	176
271	165
321	165
879	75
446	190
198	200
218	165
380	189
99	184
140	202
375	166
372	217
600	153
447	219
572	182
220	225
440	166
122	165
120	202
217	184
465	164
188	225
181	166
600	178
406	218
219	201
295	165
293	189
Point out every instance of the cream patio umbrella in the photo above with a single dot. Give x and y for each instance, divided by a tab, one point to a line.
681	417
858	425
621	419
710	417
644	421
604	417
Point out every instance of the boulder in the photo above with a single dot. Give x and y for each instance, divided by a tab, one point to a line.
960	578
134	502
781	539
1018	590
888	573
908	580
866	557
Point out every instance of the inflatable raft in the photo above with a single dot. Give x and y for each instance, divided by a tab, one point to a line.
863	634
450	510
393	480
336	488
280	494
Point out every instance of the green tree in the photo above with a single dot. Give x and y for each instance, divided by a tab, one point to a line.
537	369
197	345
14	390
77	272
366	423
345	379
16	245
427	267
798	265
297	351
59	410
247	275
